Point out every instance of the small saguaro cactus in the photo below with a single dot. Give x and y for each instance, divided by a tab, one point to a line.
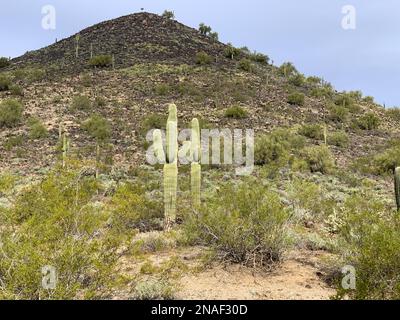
397	187
171	168
77	38
195	152
91	51
325	134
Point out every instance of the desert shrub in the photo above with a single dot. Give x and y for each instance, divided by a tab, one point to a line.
101	61
236	112
287	69
36	129
86	80
16	90
312	131
81	103
319	159
338	114
5	83
154	289
53	223
10	113
162	89
153	121
244	224
369	100
338	139
296	98
368	122
214	36
98	128
276	147
344	100
371	245
204	29
387	161
245	65
170	15
203	58
4	62
259	58
231	52
322	92
131	209
297	80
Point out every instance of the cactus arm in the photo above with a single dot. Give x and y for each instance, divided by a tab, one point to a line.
196	184
195	141
158	146
172	142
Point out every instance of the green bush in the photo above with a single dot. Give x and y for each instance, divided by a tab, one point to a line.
338	139
297	80
131	209
296	98
170	15
86	80
394	113
259	58
55	223
154	289
153	121
371	245
386	162
344	100
287	69
99	102
319	159
81	103
101	61
98	128
14	141
36	129
276	147
16	90
244	224
202	58
5	83
245	65
4	62
326	91
231	52
312	131
162	89
10	113
338	114
368	122
236	112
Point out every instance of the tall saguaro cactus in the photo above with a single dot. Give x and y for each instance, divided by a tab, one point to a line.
77	38
195	172
397	187
171	168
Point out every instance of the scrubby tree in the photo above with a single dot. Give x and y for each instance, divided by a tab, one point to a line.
168	15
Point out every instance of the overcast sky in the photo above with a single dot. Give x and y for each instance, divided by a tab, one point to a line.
308	32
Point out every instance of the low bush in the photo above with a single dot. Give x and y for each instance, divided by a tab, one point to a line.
36	129
16	90
297	80
236	112
231	52
10	113
98	128
5	83
287	69
243	224
101	61
338	114
245	65
259	58
4	62
338	139
368	122
319	159
312	131
81	103
296	98
162	89
203	58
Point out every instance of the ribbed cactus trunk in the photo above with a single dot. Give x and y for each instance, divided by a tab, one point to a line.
397	187
195	173
171	169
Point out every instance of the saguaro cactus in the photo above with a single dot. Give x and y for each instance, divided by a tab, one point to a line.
65	149
397	187
171	169
195	167
77	38
325	134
